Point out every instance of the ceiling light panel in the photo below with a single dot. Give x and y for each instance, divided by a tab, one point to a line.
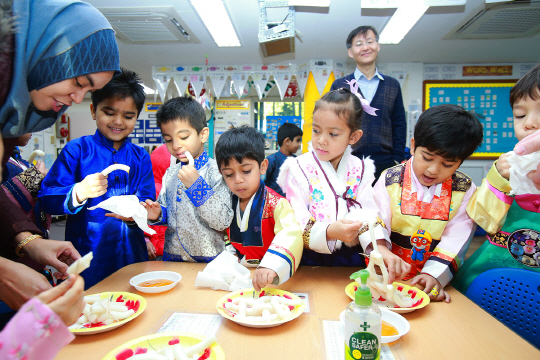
216	19
402	21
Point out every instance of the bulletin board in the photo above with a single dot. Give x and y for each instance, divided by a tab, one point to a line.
274	122
231	113
489	98
137	135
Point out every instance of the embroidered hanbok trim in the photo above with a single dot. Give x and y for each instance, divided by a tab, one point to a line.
199	192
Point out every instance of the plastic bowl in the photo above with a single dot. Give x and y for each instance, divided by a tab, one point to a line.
398	321
155	275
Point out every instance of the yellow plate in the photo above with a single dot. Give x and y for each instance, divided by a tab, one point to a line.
423	298
248	293
158	341
114	295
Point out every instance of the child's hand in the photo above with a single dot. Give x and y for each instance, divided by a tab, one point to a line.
153	208
40	165
92	186
503	166
397	268
66	299
344	230
188	175
429	282
151	250
263	277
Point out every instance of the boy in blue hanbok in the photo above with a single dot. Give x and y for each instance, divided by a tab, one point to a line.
75	181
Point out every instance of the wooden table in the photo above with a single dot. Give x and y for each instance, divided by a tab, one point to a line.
459	330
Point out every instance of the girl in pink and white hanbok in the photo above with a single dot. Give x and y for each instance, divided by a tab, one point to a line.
326	183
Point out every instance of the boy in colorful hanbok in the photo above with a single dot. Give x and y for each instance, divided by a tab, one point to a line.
511	221
264	230
423	201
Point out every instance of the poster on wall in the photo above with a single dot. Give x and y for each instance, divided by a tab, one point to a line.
45	141
230	113
137	135
489	98
272	125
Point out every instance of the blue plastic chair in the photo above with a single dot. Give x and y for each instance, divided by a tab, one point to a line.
513	297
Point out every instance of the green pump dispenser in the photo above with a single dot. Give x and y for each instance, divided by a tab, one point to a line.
363	293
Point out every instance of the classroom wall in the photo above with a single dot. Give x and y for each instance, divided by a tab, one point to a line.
81	122
412	90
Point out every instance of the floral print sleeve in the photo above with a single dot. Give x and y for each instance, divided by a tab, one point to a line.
34	333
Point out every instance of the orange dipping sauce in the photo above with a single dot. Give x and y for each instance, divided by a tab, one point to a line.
388	329
155	283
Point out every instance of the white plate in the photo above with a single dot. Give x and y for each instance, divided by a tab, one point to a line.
398	321
78	329
155	275
228	314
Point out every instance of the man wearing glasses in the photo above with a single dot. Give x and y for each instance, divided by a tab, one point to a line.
385	134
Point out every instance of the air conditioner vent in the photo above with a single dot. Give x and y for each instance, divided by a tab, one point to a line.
499	21
510	21
146	25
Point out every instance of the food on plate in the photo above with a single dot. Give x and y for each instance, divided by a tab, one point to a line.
379	286
114	167
156	283
265	309
100	312
175	351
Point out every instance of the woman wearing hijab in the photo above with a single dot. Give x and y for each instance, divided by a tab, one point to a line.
58	51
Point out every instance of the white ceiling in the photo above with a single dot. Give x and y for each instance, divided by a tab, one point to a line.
324	33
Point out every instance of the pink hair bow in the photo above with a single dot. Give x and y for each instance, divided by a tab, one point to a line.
353	84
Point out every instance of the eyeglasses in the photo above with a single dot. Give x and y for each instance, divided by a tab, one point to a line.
368	43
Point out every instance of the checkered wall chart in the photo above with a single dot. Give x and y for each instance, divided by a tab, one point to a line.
137	136
274	122
489	98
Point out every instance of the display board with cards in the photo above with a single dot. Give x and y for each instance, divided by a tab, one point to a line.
489	98
272	126
137	135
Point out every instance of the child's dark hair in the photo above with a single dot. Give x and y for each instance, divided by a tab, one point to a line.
239	143
288	131
182	108
361	30
126	84
449	131
527	86
344	104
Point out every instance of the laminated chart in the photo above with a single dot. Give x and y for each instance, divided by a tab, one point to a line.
489	98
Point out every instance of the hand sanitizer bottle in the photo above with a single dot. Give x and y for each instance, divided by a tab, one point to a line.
363	324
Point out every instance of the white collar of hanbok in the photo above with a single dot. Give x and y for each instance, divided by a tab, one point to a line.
242	221
336	178
423	193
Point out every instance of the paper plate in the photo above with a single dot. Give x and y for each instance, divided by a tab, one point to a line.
158	341
248	293
423	298
79	329
399	322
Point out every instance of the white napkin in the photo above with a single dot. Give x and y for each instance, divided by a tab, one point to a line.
520	166
127	206
224	273
362	215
